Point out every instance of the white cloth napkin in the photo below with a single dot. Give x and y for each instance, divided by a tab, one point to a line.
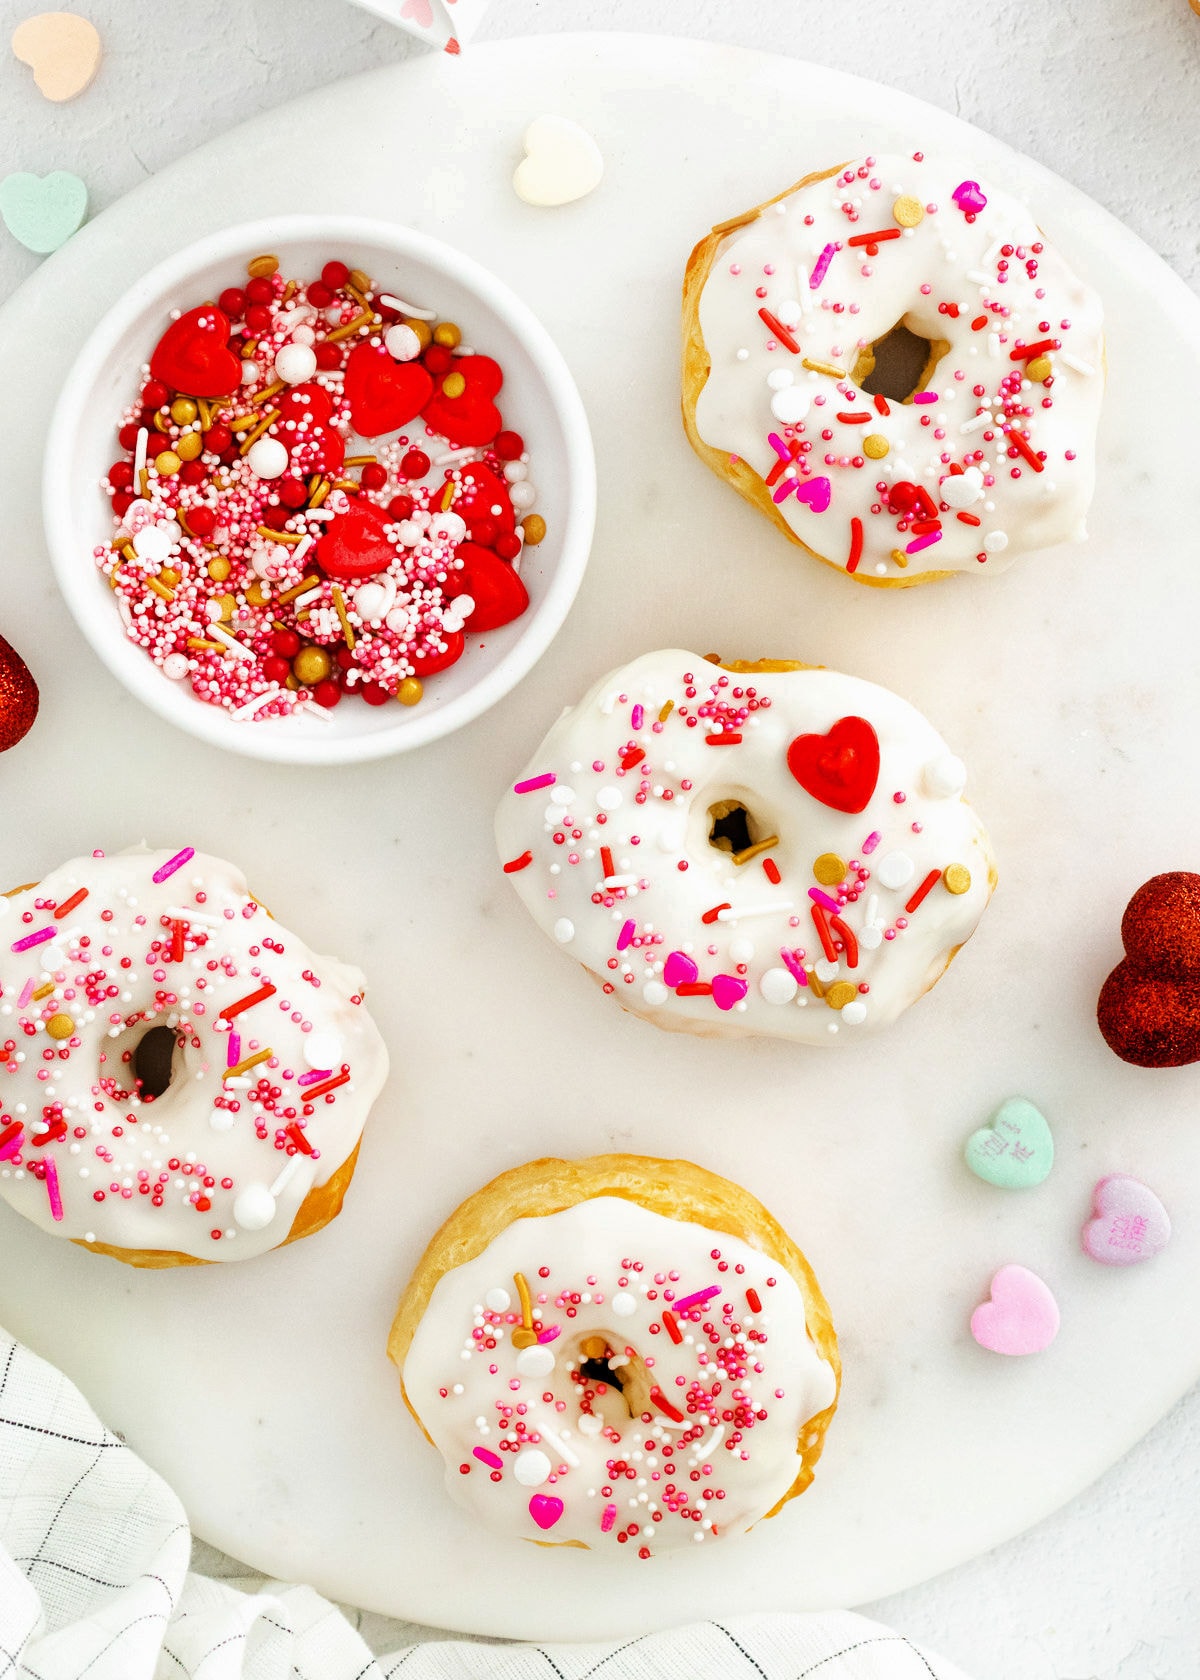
94	1585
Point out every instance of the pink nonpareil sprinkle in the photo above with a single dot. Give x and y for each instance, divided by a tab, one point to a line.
793	965
636	718
533	783
172	864
625	937
925	396
785	489
233	1050
870	843
824	900
608	1518
52	1189
777	444
821	266
549	1335
314	1077
918	543
491	1459
698	1299
31	939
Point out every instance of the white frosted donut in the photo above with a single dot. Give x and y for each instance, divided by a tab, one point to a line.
749	851
274	1065
618	1352
992	450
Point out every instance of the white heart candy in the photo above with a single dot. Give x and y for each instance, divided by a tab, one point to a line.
562	163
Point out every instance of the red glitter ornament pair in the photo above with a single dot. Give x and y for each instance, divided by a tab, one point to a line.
18	697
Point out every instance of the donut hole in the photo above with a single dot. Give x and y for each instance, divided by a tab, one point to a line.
898	364
153	1062
618	1374
734	830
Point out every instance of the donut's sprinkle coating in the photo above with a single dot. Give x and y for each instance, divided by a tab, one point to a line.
275	1060
317	497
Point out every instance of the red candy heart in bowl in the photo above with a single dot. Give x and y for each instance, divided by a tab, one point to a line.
483	500
18	697
384	395
193	355
303	425
1149	1007
471	419
497	591
839	769
355	544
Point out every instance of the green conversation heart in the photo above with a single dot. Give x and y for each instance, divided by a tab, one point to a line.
43	211
1015	1149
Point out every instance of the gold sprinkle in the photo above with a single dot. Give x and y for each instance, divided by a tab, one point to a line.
262	268
268	392
956	878
351	327
447	335
829	869
168	464
189	447
219	568
526	1299
243	423
339	607
144	480
160	589
42	992
318	490
453	385
255	594
594	1347
346	484
359	279
899	556
264	426
169	576
128	550
875	446
523	1337
827	368
209	647
297	589
666	711
60	1026
288	538
908	212
360	460
749	852
248	349
205	412
423	331
840	994
1039	369
533	529
114	578
247	1062
410	691
183	411
815	986
449	493
289	291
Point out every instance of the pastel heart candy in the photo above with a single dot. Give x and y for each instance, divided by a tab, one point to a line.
383	394
18	697
1021	1316
193	355
471	419
1149	1006
814	493
1130	1223
63	51
839	769
1015	1149
497	591
728	989
355	544
545	1509
562	163
42	212
679	970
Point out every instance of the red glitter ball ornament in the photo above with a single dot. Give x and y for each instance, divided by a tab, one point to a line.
18	697
1149	1007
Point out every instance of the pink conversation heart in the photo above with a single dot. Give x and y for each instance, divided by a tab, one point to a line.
814	493
1130	1223
679	970
420	11
728	990
1021	1316
545	1509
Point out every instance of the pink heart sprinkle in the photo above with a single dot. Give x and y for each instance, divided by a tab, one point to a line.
1021	1317
1131	1224
545	1509
814	493
679	970
420	11
728	990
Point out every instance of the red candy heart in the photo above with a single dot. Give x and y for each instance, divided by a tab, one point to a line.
193	355
384	395
480	493
18	697
839	769
303	425
471	419
497	591
428	664
1149	1007
355	544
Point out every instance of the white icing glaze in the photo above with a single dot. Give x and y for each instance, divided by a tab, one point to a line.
211	1137
641	925
471	1395
987	282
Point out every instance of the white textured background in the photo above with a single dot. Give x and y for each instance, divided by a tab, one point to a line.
1104	92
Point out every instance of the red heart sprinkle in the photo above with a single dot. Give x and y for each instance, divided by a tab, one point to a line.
355	544
193	355
480	493
497	591
545	1509
384	395
471	419
428	664
839	769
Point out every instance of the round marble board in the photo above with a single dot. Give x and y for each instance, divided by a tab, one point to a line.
1068	684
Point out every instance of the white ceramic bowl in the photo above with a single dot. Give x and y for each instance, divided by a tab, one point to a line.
539	400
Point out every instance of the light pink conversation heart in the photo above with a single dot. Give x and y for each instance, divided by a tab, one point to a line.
1021	1316
420	11
814	493
1130	1223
